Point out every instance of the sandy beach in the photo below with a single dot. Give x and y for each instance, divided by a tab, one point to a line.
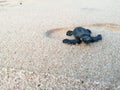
33	57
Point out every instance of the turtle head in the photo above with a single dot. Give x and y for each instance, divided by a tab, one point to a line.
69	33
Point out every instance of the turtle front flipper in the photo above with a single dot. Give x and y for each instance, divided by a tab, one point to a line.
73	41
88	39
97	38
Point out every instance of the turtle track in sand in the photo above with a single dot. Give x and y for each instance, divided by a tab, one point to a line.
59	33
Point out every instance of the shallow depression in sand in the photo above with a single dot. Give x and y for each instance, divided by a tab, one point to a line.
60	33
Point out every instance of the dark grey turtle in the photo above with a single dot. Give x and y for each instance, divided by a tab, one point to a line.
81	34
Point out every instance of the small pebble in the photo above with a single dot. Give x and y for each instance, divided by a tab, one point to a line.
96	82
82	82
20	3
38	85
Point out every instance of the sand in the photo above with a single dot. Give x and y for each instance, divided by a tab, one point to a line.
33	57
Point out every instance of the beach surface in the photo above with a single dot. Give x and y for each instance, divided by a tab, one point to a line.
33	57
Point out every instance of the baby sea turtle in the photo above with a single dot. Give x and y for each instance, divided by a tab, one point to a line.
81	34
